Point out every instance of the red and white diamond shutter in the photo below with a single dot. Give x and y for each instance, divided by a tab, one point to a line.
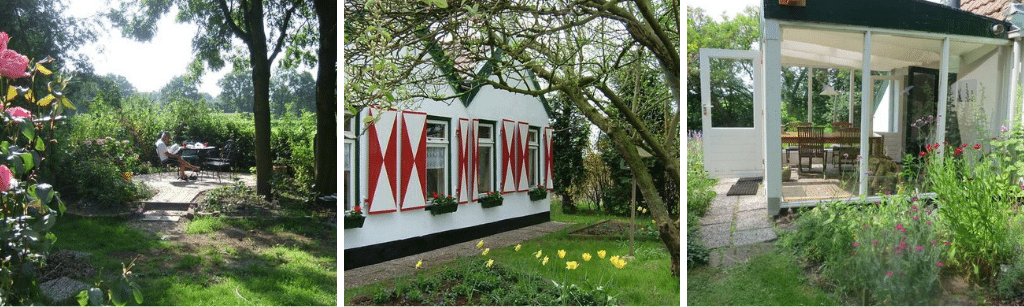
382	176
549	159
509	161
474	166
414	160
465	135
524	156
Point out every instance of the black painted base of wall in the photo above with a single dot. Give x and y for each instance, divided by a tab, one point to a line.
377	253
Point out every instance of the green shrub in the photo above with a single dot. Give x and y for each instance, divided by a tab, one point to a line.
696	253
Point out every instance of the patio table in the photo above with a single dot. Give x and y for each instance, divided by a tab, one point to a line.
875	140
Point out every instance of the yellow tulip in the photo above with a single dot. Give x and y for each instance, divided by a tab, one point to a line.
601	254
545	262
613	259
561	254
619	263
571	265
486	250
480	244
518	246
586	257
490	262
537	254
419	264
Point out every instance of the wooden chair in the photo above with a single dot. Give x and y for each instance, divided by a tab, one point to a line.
811	145
791	148
848	150
841	125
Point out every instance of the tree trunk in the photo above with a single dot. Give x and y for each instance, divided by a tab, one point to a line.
261	97
326	144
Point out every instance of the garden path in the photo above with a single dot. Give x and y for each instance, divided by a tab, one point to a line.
407	265
172	190
735	226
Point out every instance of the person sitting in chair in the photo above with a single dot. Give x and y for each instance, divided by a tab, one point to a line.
169	158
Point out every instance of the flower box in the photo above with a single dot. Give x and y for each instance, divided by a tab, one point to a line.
354	221
442	209
490	203
538	194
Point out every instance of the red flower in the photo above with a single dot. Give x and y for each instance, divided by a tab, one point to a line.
977	146
435	194
7	181
357	209
964	145
888	274
19	113
928	146
939	264
855	244
924	154
957	152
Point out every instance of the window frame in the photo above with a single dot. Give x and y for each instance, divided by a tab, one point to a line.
491	144
352	185
533	156
444	143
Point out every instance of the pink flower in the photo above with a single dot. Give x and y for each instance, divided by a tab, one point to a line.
947	243
7	181
19	113
924	154
875	242
964	145
855	244
929	223
888	274
919	248
12	64
939	264
915	218
866	226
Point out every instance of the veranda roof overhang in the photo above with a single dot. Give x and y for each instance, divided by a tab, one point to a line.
829	34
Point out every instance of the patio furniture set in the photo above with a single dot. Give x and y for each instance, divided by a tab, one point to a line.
209	158
810	143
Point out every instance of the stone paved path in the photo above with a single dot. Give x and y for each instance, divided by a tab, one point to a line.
172	190
407	265
735	227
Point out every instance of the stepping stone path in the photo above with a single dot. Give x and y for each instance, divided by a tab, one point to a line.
735	227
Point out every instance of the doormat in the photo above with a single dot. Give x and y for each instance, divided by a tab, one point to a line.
745	186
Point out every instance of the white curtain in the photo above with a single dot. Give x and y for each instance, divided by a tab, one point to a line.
435	157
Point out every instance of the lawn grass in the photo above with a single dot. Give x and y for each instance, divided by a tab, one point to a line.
204	225
770	279
644	281
180	274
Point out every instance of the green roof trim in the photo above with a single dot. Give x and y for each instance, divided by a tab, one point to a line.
447	66
913	15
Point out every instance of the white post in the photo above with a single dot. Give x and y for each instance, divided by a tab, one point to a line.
865	114
771	88
851	96
940	119
810	91
1014	79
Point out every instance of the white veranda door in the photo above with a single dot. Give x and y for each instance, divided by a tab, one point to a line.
732	112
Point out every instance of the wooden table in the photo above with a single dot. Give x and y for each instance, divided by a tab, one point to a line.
834	138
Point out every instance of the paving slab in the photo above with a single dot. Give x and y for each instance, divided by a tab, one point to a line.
755	219
753	236
752	202
62	290
716	235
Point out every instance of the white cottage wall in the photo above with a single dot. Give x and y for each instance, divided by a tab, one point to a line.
489	104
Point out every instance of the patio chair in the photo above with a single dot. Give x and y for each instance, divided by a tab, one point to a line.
222	161
791	148
840	125
846	153
811	145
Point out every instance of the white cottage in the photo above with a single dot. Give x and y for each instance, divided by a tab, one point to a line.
486	140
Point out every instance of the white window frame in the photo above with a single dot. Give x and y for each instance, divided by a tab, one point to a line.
443	143
533	155
488	145
351	187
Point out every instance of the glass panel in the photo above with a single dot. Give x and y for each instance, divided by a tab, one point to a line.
484	132
349	189
436	171
348	156
484	169
533	136
732	94
436	130
534	166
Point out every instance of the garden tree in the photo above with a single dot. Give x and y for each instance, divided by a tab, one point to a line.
263	26
571	47
40	28
727	84
236	91
86	86
292	91
326	142
569	141
180	88
597	180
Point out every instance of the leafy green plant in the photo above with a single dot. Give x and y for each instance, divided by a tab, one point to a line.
123	290
28	208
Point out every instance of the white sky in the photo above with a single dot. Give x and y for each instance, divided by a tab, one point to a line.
148	66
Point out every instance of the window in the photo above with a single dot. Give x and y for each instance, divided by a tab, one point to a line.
533	158
437	158
485	157
349	156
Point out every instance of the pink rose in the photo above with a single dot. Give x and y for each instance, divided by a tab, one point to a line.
18	113
6	178
12	64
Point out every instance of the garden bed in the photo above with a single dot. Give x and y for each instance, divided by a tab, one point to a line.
610	230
